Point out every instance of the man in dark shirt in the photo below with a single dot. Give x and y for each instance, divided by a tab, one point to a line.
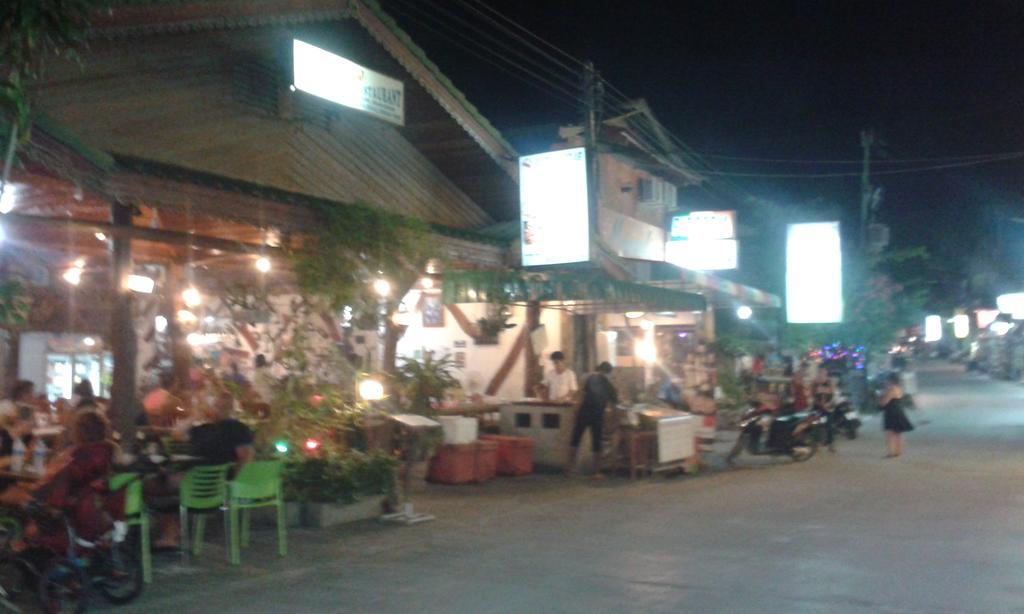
223	439
598	393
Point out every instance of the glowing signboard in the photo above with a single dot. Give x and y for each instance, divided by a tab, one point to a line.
554	207
703	225
701	255
932	328
961	326
1012	304
332	77
814	273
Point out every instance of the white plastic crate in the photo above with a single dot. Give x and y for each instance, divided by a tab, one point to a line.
458	429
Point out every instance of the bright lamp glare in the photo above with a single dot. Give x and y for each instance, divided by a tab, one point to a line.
263	264
7	200
160	324
382	287
961	326
646	351
1012	304
1000	327
814	274
185	316
743	312
73	276
89	342
191	297
371	390
932	328
140	284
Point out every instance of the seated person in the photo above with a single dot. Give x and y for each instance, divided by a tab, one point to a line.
219	440
71	474
160	403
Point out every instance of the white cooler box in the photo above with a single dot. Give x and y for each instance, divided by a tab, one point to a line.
458	429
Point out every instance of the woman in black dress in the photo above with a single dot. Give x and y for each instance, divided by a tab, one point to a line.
895	422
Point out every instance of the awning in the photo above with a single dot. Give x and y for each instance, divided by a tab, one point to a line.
747	295
583	292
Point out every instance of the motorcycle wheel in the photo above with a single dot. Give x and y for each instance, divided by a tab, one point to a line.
736	448
804	447
119	577
63	587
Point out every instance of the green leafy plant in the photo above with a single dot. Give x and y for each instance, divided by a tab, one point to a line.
339	478
424	381
355	244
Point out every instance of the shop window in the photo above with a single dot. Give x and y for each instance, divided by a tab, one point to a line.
551	421
523	421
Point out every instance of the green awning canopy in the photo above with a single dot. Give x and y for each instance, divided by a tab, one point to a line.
583	292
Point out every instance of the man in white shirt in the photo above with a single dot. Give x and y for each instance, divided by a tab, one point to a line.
560	382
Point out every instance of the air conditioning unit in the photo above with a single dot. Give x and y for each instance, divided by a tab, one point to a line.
654	191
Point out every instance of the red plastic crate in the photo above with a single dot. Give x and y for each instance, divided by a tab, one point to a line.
486	460
454	464
515	454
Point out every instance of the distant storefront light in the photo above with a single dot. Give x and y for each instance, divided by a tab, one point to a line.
932	329
961	326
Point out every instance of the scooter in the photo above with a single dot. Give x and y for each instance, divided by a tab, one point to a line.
796	435
847	418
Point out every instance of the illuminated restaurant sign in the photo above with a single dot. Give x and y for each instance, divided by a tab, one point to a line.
554	207
703	241
332	77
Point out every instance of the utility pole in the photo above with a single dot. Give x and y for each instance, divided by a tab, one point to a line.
867	139
593	100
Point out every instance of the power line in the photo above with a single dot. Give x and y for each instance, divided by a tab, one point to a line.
900	171
552	89
874	161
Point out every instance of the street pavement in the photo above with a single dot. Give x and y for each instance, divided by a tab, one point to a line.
940	529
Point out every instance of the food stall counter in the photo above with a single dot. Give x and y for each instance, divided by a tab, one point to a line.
547	423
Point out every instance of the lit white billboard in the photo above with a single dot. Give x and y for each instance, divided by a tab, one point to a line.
703	255
554	207
332	77
703	241
703	225
814	274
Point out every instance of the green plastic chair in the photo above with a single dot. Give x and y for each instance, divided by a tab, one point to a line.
202	491
173	446
136	514
258	484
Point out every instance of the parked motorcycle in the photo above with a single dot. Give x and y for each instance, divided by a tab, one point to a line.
847	418
795	435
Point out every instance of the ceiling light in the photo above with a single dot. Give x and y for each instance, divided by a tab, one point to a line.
7	199
191	297
89	341
100	236
632	315
73	276
743	312
160	323
382	287
263	264
141	284
185	316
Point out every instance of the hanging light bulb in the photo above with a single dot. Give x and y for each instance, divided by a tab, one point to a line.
185	316
160	323
100	236
191	297
89	342
263	264
382	287
73	276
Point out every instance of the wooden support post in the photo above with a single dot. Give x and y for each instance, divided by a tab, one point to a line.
123	342
181	351
582	331
532	379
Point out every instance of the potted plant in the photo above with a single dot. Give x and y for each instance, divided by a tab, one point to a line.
333	489
424	381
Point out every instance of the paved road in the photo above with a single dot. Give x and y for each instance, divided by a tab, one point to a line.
938	530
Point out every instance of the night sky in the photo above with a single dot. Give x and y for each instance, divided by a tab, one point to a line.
789	80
